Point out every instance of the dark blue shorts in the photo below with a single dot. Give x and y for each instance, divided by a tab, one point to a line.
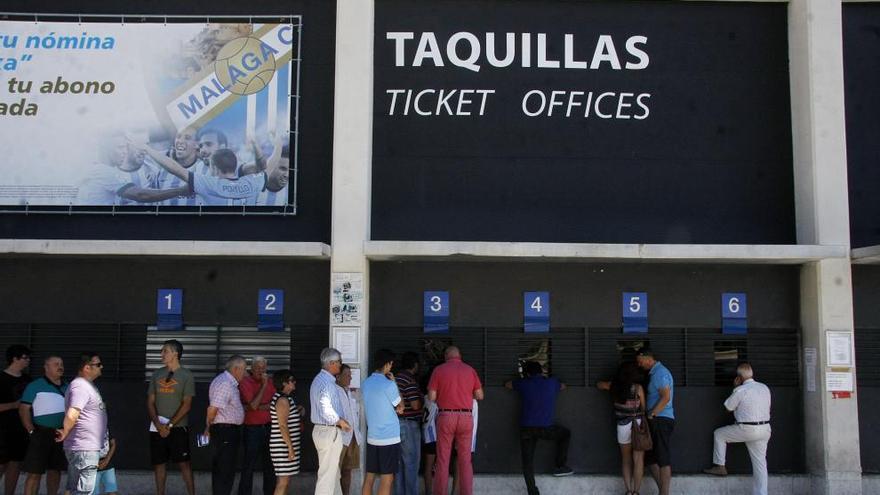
383	459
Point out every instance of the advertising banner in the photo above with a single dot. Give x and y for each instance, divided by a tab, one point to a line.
152	114
601	121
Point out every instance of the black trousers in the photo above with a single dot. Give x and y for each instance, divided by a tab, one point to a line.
528	438
225	439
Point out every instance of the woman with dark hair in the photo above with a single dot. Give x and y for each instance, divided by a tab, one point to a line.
284	440
629	403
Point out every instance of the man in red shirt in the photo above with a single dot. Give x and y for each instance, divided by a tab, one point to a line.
453	386
256	393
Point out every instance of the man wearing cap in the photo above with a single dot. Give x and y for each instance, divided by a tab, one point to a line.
453	386
661	417
750	405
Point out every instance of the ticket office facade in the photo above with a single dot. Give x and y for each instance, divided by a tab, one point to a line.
397	174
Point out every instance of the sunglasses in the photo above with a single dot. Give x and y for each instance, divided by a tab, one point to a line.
97	365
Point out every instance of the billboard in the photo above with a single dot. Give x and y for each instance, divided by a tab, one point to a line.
602	121
155	114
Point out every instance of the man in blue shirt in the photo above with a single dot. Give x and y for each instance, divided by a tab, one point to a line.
382	404
539	395
661	417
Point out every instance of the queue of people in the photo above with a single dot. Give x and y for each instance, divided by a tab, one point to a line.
49	426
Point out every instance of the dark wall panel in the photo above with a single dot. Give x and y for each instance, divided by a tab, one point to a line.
222	291
312	222
861	42
710	163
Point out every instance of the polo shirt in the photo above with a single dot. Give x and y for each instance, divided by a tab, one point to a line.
539	395
455	383
380	399
249	387
409	391
660	378
47	402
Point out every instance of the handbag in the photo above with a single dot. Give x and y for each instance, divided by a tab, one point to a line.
641	434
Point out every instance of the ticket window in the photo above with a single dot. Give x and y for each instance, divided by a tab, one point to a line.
728	355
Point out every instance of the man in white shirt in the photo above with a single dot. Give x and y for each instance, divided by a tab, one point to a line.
750	405
326	410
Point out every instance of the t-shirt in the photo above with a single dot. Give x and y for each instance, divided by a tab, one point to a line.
249	388
47	402
90	430
380	399
171	391
660	378
167	180
538	400
220	191
11	390
455	383
409	391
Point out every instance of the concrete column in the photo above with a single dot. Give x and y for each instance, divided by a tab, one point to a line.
352	155
822	203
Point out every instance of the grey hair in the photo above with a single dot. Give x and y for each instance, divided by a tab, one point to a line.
235	361
744	371
328	355
258	359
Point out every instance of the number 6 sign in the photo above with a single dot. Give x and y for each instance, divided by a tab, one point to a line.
734	313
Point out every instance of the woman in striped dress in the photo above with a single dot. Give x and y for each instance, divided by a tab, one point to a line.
284	441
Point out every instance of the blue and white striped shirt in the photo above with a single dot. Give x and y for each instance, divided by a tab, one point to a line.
325	407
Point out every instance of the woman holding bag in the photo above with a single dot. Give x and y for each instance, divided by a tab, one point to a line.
629	410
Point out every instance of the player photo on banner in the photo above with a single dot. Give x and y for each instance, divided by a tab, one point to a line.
148	114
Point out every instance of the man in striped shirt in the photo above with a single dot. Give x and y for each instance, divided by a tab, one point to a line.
184	152
407	480
223	423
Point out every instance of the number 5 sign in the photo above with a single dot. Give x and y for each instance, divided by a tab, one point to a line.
635	312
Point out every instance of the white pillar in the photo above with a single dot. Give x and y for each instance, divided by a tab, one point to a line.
352	154
822	203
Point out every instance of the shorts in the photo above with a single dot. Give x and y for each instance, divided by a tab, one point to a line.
106	482
383	459
43	452
661	435
13	442
351	456
174	447
82	471
625	432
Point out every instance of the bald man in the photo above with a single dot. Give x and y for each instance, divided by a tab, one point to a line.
453	386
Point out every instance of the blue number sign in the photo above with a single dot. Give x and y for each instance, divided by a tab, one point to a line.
734	313
536	312
635	312
436	311
270	309
169	308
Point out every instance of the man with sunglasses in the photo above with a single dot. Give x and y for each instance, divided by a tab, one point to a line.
85	427
169	399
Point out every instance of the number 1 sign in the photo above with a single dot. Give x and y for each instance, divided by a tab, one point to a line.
169	308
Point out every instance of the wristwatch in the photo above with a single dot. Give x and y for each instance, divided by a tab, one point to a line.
170	425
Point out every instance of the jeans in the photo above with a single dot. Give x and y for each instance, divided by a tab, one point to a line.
82	471
225	439
458	427
528	438
406	482
256	447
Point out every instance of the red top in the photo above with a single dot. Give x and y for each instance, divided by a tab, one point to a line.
248	388
455	383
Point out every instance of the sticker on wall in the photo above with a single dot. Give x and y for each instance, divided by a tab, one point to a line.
635	312
436	311
734	313
169	309
536	312
347	298
270	310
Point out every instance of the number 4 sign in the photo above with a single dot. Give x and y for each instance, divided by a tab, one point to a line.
536	312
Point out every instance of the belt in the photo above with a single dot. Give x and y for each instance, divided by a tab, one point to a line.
419	418
328	426
753	423
455	410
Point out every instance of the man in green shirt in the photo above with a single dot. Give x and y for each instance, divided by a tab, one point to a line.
169	399
42	412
